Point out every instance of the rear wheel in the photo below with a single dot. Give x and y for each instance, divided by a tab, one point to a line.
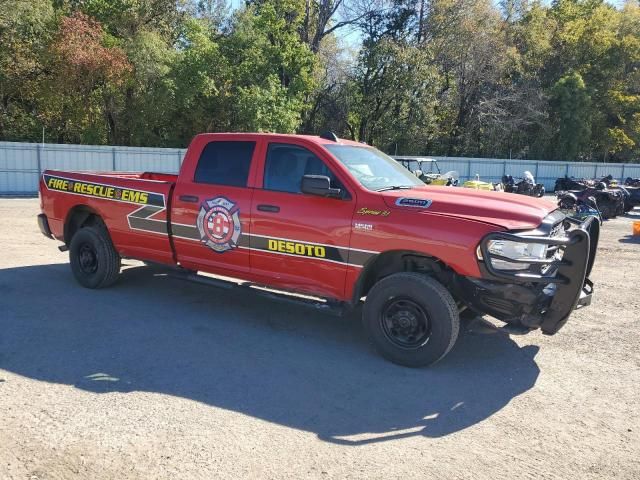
411	319
94	261
606	211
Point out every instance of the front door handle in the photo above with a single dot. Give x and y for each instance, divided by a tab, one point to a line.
269	208
188	198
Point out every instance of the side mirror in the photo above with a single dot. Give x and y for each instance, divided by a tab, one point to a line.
318	185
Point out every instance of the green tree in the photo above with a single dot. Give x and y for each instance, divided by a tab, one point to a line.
26	28
395	89
267	58
81	92
572	108
520	78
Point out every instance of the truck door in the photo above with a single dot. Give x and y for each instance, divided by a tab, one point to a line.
210	214
299	241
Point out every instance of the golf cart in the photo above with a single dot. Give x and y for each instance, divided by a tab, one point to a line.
428	170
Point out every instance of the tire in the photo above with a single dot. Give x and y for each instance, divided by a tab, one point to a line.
94	261
411	319
566	203
606	211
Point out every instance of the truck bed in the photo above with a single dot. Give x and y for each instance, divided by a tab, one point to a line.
133	205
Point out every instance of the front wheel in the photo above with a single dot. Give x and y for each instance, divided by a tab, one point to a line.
94	261
411	319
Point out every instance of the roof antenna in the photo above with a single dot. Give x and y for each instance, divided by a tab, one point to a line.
329	136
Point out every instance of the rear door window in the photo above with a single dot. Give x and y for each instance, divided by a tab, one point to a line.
225	163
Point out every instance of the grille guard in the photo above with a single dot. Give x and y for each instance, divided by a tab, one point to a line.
590	228
570	275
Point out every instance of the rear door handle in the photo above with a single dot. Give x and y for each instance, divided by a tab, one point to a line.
188	198
269	208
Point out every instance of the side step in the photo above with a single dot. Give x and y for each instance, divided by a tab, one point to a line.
326	306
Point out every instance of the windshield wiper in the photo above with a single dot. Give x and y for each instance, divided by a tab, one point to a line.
395	187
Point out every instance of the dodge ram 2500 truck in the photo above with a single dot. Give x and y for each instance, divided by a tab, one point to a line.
337	220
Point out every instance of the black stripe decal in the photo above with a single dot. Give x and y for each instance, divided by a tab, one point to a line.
185	231
154	203
245	241
139	220
295	248
145	212
358	257
300	249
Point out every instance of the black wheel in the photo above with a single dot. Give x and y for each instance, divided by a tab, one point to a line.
606	211
566	203
94	261
411	319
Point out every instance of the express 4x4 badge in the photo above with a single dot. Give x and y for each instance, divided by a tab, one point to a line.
219	224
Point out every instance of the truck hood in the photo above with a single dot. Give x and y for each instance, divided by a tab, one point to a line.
506	210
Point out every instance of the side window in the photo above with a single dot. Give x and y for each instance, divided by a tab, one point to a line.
225	163
286	165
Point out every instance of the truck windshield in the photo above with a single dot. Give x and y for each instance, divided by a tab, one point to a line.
373	169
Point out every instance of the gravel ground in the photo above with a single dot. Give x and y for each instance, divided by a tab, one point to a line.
158	378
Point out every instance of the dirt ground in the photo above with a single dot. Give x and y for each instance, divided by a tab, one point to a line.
158	378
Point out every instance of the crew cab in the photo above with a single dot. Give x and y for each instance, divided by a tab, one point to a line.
336	220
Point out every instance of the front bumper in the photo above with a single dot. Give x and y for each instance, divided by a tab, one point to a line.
537	300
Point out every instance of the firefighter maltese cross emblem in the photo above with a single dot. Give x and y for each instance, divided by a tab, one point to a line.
219	224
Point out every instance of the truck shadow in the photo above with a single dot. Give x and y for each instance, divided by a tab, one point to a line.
241	352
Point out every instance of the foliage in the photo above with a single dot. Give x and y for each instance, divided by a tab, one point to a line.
520	78
571	104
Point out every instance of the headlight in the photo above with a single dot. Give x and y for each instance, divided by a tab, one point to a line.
519	251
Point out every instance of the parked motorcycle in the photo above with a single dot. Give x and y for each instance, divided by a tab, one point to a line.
579	208
525	186
630	194
611	198
564	184
632	182
610	203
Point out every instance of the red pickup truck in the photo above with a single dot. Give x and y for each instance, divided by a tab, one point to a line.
337	220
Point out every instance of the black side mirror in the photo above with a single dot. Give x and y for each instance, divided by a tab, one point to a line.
319	185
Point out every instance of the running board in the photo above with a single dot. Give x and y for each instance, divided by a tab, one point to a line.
332	308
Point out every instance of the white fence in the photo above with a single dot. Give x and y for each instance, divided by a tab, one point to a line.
544	171
22	163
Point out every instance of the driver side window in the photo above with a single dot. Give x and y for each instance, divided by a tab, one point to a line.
286	164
